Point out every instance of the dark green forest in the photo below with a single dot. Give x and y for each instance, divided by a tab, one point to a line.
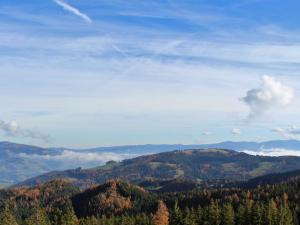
118	202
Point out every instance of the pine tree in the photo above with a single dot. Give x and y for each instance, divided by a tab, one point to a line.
39	217
199	215
257	215
66	217
240	215
272	213
126	220
143	219
89	221
296	220
214	214
227	215
69	218
176	216
286	216
248	210
190	217
7	218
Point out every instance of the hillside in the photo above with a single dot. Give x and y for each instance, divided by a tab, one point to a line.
113	197
20	162
50	197
196	165
118	202
270	179
15	166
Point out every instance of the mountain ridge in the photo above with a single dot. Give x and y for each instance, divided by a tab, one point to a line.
20	162
195	164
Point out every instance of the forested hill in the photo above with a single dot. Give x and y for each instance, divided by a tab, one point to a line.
20	162
269	179
121	203
196	165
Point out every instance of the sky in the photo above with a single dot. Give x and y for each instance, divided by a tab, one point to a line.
81	74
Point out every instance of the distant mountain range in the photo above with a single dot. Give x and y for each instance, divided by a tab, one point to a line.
238	146
19	162
198	165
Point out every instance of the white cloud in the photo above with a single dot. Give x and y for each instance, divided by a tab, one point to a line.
73	10
13	129
270	95
235	131
206	133
292	132
69	159
273	152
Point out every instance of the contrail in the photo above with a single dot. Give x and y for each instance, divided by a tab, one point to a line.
73	10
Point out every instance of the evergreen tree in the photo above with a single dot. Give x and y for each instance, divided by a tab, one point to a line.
89	221
176	216
126	220
272	213
227	215
286	216
190	217
240	215
39	217
6	218
143	219
248	210
69	218
199	214
257	215
214	213
65	217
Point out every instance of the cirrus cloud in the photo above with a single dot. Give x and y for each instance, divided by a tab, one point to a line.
271	94
73	10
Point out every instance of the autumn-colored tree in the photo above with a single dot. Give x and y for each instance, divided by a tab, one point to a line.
161	216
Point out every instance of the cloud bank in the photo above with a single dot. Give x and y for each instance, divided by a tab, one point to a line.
273	152
13	129
68	159
270	95
73	10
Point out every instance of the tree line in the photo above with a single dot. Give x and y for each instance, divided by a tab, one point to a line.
277	204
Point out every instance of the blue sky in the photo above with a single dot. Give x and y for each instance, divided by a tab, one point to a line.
94	73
